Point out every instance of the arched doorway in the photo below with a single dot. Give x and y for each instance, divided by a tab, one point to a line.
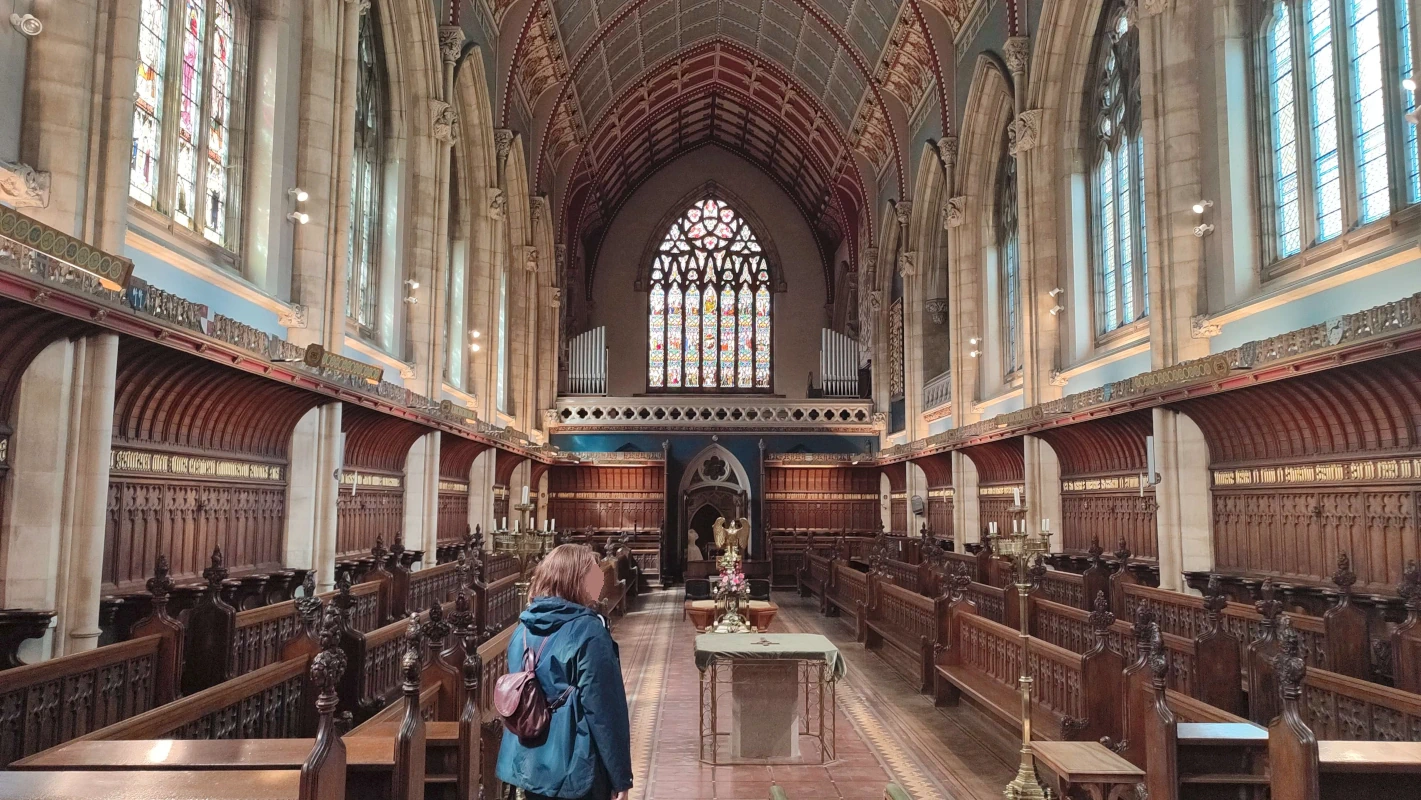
714	485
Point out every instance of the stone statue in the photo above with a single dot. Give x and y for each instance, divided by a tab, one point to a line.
693	552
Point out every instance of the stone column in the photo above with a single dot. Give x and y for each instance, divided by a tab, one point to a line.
302	479
1043	484
917	484
1185	516
428	500
481	491
40	449
84	513
966	514
330	457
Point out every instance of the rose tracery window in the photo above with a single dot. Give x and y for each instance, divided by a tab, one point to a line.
710	322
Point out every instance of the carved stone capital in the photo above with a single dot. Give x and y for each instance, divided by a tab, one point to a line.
497	204
953	211
502	144
1201	328
937	310
445	119
903	210
451	42
22	186
907	263
947	153
1015	52
1025	132
294	317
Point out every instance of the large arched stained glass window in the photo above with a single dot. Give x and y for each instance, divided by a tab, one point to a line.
1117	174
710	322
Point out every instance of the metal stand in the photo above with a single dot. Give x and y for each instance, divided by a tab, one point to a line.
817	702
1021	549
527	546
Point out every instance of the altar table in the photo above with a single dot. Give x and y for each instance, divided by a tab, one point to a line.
780	687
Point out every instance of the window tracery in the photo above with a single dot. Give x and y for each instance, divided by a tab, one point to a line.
710	316
1008	259
362	301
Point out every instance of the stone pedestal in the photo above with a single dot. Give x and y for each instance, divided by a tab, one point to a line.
765	700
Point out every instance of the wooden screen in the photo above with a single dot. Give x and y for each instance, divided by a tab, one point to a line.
1001	467
199	461
1102	462
371	503
456	458
937	469
1304	468
607	498
830	499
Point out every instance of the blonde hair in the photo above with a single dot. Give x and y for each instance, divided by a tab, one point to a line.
560	574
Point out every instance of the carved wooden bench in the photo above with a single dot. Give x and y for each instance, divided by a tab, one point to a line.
907	622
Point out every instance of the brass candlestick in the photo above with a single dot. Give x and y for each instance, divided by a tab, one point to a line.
526	545
1021	548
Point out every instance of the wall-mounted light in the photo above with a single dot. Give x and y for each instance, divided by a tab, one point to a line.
1056	309
412	283
975	353
476	347
474	334
412	300
974	340
1203	229
299	217
1056	292
1202	206
1408	84
27	24
298	194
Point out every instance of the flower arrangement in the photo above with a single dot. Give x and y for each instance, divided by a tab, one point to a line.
733	583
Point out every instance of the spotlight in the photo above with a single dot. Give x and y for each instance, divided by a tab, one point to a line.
1203	205
412	300
474	334
299	195
1056	292
299	217
1056	309
1203	229
1409	85
974	340
975	353
412	283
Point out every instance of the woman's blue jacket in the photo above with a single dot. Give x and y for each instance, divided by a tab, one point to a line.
591	725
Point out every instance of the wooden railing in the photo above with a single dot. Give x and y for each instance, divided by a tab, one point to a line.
1182	615
498	566
991	602
42	705
428	586
269	703
497	606
261	632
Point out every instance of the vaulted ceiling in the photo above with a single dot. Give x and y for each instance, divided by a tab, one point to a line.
816	93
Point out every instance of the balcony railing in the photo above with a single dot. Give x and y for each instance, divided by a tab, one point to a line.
715	413
938	391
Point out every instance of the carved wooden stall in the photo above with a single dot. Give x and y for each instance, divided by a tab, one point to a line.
1304	468
819	497
1001	467
200	460
1102	463
504	495
372	483
897	496
25	331
608	497
456	459
941	495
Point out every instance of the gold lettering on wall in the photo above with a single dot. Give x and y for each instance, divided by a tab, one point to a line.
1391	469
807	496
1107	484
943	492
605	495
453	486
989	491
139	461
353	478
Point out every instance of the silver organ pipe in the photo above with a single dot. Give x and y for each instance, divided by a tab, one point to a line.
838	364
587	362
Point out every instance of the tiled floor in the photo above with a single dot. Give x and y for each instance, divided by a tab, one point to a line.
886	730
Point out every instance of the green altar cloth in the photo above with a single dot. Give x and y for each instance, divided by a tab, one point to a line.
769	646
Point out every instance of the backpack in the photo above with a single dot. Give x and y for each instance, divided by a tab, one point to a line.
519	701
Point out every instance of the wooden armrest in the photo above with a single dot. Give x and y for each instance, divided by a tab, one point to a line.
166	784
1230	734
1345	756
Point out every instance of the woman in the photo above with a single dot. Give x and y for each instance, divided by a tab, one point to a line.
587	752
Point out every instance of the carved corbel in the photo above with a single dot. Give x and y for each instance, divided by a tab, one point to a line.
1024	132
361	6
502	145
1149	8
875	300
907	263
530	258
451	43
22	186
293	317
952	212
903	210
1057	379
497	204
937	310
1201	328
555	298
406	371
445	120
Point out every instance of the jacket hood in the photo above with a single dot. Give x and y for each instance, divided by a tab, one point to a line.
545	615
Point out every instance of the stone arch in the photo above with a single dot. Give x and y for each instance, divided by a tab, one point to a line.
477	182
988	110
716	477
928	243
522	283
677	209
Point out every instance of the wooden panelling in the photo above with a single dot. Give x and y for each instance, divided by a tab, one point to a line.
1000	465
363	514
940	515
827	499
607	498
372	495
1098	457
1276	512
453	515
199	461
375	442
1108	517
456	458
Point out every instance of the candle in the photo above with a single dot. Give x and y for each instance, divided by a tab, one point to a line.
554	524
1015	496
1045	525
992	528
504	526
1142	484
525	495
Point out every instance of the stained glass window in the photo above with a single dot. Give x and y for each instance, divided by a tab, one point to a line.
710	312
1118	181
182	156
1338	152
362	301
1009	278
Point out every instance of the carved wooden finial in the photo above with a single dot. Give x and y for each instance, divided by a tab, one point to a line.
436	628
956	585
1144	620
1122	552
161	584
1268	606
461	619
1100	617
1036	573
379	551
1344	577
1215	601
1158	659
413	657
308	607
344	600
1410	587
216	572
328	666
1289	665
1096	551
